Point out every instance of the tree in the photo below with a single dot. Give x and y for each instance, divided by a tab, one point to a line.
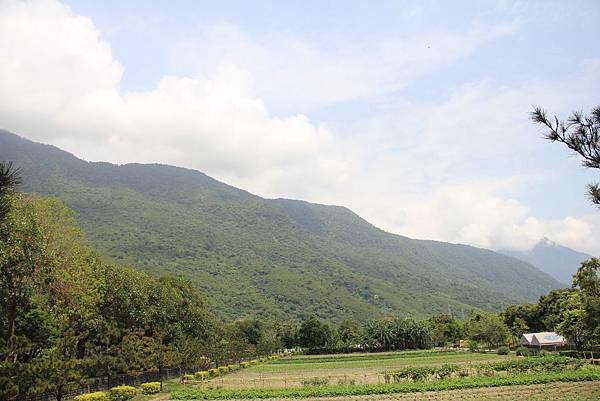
517	329
10	179
587	279
314	333
488	328
379	334
580	133
22	262
445	329
350	332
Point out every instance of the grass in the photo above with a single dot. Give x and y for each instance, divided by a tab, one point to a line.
363	356
397	359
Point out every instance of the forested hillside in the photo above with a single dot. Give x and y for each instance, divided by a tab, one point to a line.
269	258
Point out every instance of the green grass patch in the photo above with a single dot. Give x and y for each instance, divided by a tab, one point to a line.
398	360
362	357
410	387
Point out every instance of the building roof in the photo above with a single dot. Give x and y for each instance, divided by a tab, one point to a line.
526	339
546	338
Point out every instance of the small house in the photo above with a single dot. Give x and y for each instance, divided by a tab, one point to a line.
526	339
543	339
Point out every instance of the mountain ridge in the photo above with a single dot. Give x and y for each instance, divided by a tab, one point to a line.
552	258
275	258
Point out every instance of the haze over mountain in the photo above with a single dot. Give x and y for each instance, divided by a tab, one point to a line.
558	261
275	258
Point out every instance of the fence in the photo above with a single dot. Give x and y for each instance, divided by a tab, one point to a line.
105	383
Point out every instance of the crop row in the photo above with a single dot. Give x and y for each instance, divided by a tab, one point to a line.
363	357
535	364
587	374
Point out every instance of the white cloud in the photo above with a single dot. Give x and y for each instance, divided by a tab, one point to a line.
295	74
416	168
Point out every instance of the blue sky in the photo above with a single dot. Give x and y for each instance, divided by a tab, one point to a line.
413	114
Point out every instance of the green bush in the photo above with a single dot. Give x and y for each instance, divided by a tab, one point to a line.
96	396
315	382
254	362
522	351
150	388
223	369
214	372
188	377
233	367
570	353
503	351
202	375
122	393
244	365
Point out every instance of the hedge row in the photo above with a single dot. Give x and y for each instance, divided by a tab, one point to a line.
221	370
371	389
119	393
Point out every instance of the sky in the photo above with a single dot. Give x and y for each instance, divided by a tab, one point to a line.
414	114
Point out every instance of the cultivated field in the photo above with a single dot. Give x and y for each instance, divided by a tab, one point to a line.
586	391
342	369
419	375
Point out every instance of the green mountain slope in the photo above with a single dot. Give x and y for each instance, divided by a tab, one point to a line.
271	258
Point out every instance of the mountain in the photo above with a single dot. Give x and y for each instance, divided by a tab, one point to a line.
272	258
558	261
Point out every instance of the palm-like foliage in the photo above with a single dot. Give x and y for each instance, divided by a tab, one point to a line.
10	178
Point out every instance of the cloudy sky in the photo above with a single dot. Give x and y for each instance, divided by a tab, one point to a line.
412	114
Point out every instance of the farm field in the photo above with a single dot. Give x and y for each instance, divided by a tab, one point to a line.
345	368
425	375
586	391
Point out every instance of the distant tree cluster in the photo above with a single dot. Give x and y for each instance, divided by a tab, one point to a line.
573	312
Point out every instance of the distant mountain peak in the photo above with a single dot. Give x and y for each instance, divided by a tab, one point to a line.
555	259
547	242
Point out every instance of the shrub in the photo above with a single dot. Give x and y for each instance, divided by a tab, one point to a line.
223	369
570	353
202	375
315	382
254	362
233	367
188	377
96	396
151	388
213	372
122	393
244	365
503	351
522	351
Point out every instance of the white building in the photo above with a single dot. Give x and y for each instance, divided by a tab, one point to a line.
526	339
543	339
